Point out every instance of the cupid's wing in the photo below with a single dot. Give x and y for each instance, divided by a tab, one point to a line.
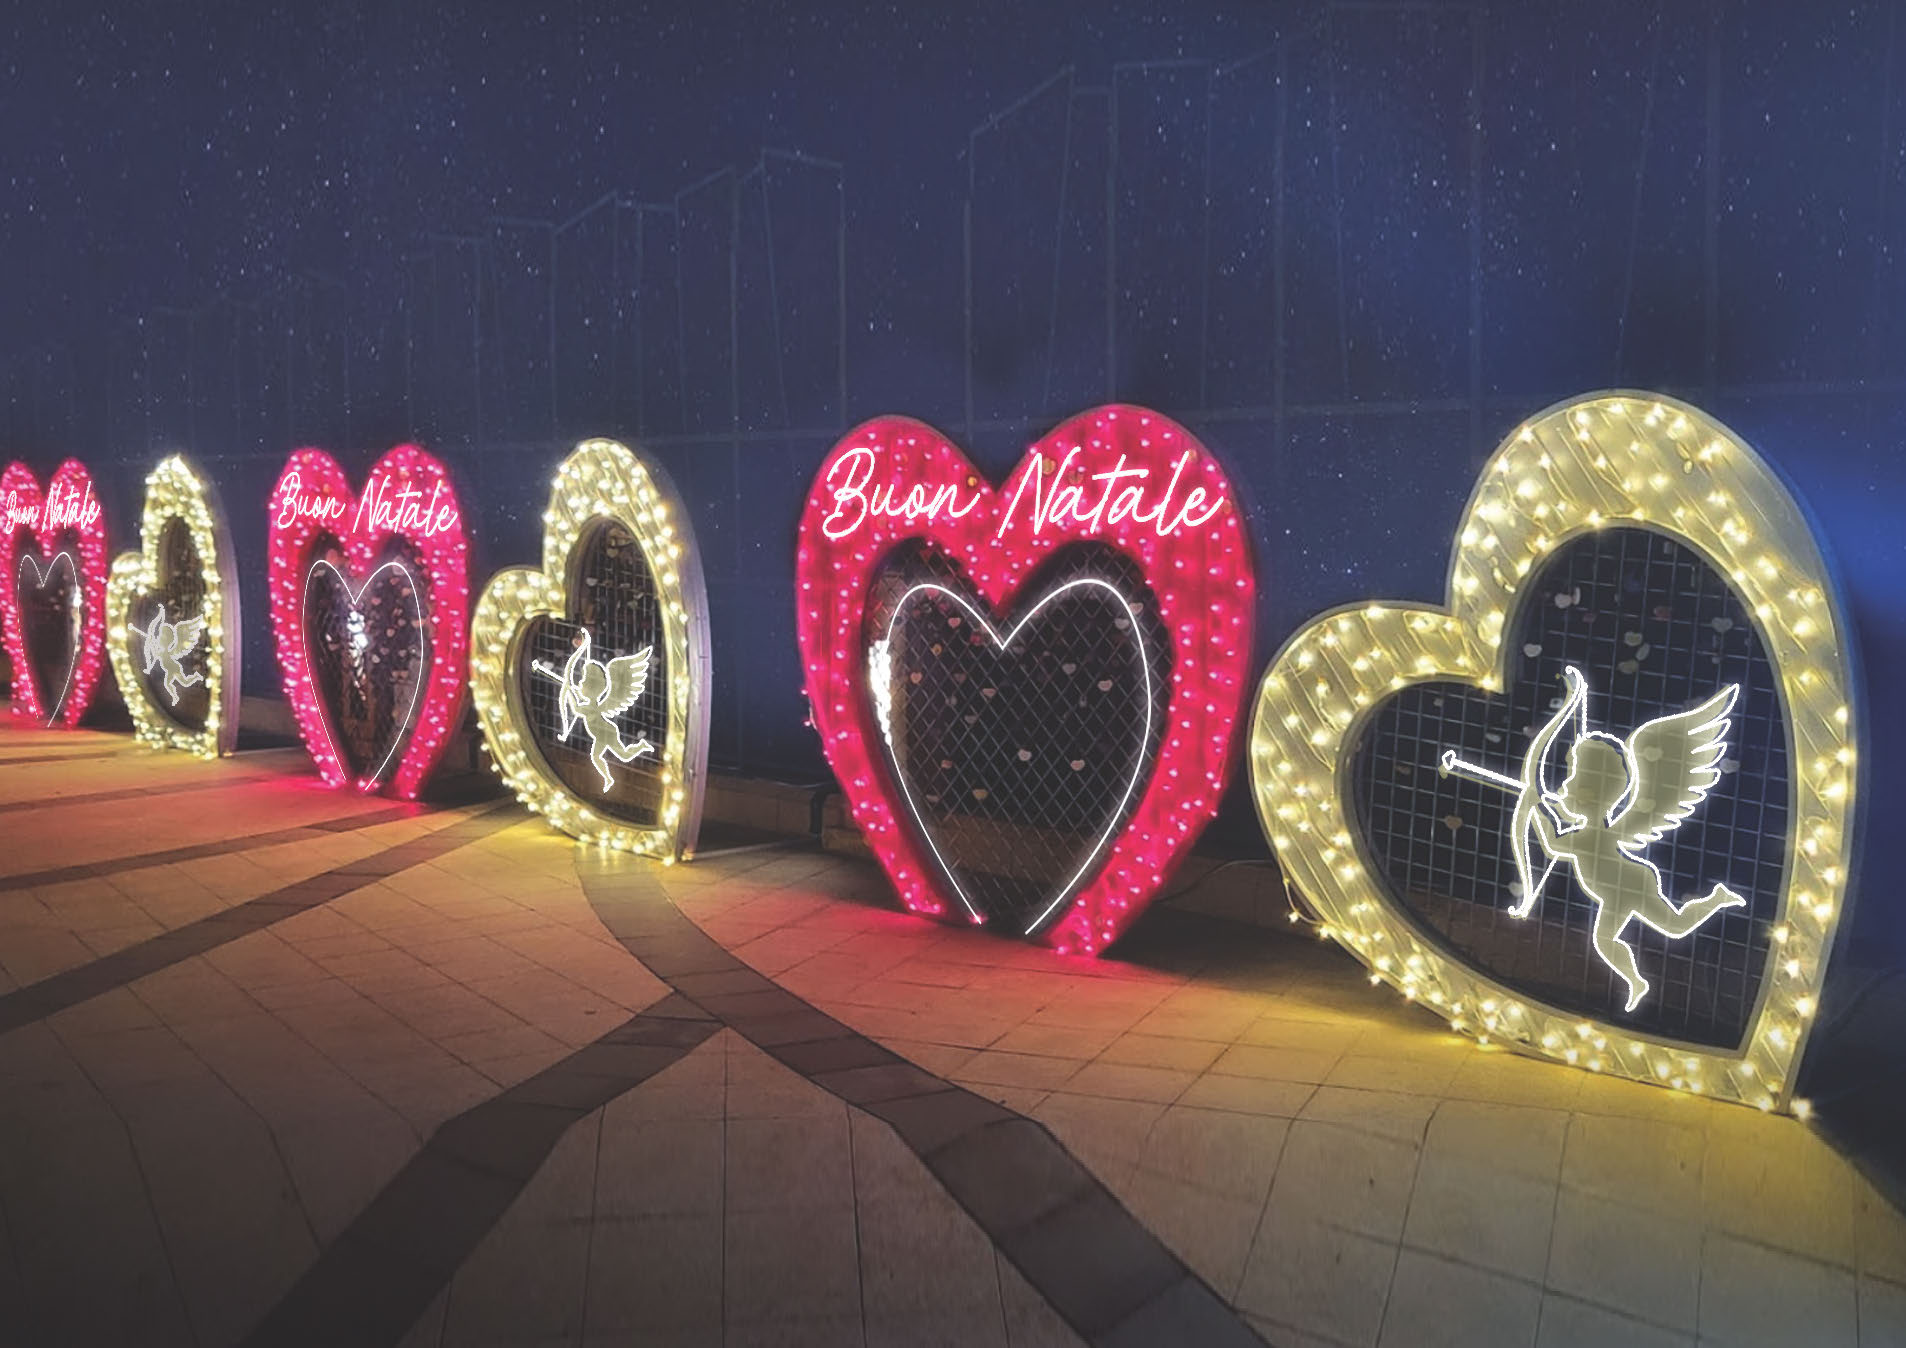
628	676
1675	761
185	635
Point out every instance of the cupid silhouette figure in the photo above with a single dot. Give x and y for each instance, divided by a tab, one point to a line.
167	644
1617	798
593	694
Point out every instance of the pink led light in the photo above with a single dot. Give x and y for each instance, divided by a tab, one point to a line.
409	496
1121	476
68	507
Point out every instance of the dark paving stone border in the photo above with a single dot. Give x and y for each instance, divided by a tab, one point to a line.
38	1000
1109	1277
380	1275
131	792
242	842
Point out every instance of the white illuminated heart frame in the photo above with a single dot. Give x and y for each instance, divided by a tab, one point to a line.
880	682
601	481
175	490
1606	460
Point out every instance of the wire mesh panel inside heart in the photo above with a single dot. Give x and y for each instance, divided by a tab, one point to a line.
47	589
1022	741
614	599
181	591
369	650
1656	630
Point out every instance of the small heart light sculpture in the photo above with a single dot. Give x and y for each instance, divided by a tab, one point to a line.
174	641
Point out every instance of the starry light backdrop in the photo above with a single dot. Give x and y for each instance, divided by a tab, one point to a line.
1348	245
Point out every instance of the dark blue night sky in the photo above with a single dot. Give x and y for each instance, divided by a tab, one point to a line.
1350	245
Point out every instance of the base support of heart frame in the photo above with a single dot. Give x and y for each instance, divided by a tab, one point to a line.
174	490
1627	460
601	482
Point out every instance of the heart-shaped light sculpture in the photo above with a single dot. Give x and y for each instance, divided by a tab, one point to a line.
401	541
1153	516
53	539
1600	806
174	641
624	657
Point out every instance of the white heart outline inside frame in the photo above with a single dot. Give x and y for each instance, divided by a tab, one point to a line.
880	684
372	780
75	605
1607	459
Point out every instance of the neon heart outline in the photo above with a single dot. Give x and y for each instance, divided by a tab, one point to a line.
602	480
1619	458
442	557
20	490
176	490
1209	625
1139	764
355	598
39	583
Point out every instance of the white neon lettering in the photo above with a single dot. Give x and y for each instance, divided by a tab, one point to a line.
855	500
295	504
402	509
1063	503
68	507
17	511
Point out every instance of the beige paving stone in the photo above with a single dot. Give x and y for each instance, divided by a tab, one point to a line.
1755	1297
782	1163
663	1167
660	1275
1882	1312
1437	1303
1568	1323
1355	1180
1147	1050
1481	1214
1248	1095
1321	1279
1767	1181
1646	1162
1880	1233
1278	1064
1221	1153
1119	1082
791	1263
1389	1114
1426	1073
1641	1262
992	1067
1092	1126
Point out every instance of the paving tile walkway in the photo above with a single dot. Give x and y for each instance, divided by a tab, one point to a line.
502	1090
